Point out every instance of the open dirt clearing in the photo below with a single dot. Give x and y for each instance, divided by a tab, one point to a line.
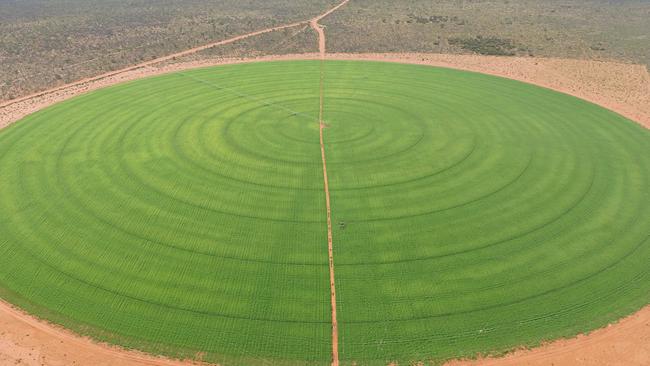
25	340
624	343
620	87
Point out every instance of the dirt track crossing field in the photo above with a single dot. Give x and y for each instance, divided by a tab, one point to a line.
321	125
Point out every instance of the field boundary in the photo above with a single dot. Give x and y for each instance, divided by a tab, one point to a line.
432	60
622	88
75	341
626	338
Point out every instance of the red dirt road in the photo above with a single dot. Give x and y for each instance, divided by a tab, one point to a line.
183	53
319	28
321	37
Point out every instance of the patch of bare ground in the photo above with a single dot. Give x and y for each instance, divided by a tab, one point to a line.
624	88
25	340
626	343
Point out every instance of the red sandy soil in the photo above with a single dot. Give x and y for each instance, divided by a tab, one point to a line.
25	340
623	88
626	343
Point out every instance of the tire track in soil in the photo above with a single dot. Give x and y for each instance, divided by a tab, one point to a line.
321	125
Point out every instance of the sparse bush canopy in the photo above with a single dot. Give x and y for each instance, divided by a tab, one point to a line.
48	43
486	45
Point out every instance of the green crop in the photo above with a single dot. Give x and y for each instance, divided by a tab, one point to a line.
185	214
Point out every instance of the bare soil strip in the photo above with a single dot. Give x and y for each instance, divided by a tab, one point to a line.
624	88
321	125
335	329
319	28
321	38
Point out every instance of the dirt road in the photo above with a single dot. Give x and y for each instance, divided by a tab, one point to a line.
330	247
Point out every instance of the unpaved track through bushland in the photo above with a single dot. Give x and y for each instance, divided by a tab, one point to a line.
152	62
175	55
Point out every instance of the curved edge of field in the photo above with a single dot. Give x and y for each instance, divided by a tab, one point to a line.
57	344
33	335
625	342
27	340
619	87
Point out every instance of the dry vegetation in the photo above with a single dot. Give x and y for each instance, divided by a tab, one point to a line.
296	40
48	43
583	29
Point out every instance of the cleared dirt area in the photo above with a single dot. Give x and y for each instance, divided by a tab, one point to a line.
624	343
623	88
25	340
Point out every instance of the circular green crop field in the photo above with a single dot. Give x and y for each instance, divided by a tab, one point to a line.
186	213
